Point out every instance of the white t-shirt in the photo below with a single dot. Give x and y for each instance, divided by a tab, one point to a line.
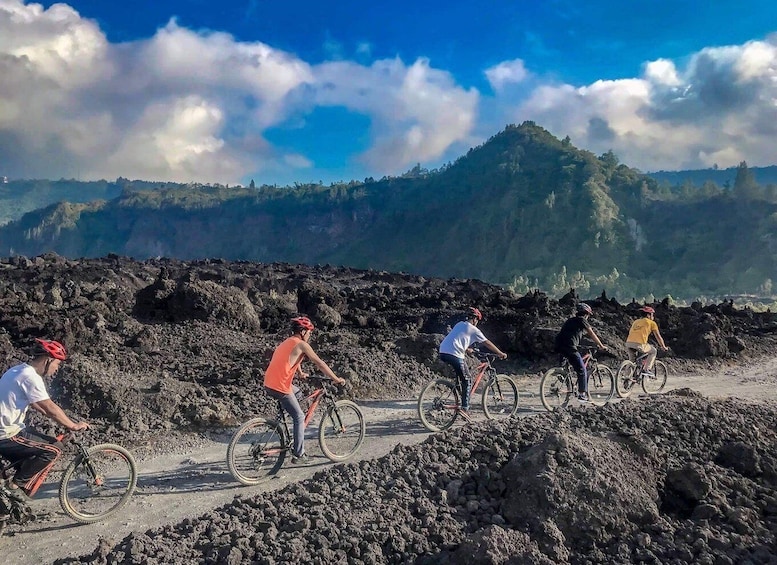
461	337
20	386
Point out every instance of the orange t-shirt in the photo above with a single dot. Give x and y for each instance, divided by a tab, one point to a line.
280	372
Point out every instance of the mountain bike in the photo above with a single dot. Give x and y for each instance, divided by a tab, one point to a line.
559	384
259	447
96	484
439	402
632	372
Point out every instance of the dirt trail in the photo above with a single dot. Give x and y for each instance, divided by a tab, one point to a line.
190	481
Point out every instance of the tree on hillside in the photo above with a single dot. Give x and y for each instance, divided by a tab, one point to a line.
745	186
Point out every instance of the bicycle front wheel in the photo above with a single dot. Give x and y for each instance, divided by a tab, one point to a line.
556	389
438	405
625	378
500	397
96	486
655	383
601	385
257	450
341	431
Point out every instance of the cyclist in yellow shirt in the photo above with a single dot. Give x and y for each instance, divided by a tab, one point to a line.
640	331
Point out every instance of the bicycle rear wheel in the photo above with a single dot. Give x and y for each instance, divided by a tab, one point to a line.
257	450
625	378
601	385
500	397
438	404
341	431
655	383
556	389
96	486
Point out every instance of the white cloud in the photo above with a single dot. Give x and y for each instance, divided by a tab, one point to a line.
720	108
417	111
506	72
184	105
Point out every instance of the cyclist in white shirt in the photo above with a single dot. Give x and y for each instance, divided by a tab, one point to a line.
453	350
22	386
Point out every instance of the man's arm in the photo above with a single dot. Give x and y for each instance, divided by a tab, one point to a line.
659	339
53	411
595	338
495	349
316	360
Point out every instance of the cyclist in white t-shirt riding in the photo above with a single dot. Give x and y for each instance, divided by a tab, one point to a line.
453	351
22	386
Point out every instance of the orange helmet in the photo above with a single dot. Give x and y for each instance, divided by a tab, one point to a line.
648	310
50	348
475	313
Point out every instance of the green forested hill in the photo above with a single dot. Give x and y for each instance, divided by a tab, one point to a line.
525	208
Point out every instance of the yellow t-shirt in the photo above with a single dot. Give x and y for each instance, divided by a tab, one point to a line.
641	330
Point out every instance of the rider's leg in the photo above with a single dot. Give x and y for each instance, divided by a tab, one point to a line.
652	354
36	454
576	360
635	349
460	366
290	403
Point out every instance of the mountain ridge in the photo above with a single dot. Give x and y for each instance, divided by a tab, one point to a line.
524	208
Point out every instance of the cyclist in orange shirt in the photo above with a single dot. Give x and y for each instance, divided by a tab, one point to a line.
283	366
640	331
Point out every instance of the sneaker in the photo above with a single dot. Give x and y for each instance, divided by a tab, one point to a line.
300	459
464	413
583	398
15	492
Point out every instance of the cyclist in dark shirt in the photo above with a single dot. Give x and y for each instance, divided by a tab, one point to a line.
568	340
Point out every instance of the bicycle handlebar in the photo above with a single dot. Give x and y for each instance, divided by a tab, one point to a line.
481	356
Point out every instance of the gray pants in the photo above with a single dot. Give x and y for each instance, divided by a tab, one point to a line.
290	404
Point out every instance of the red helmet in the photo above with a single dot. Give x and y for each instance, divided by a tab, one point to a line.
302	323
584	308
475	313
648	310
49	347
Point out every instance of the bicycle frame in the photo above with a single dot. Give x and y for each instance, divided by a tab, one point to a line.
481	369
587	358
313	399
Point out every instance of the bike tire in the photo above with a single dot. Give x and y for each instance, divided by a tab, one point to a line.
624	379
653	384
256	451
601	385
556	389
96	486
438	404
341	431
500	397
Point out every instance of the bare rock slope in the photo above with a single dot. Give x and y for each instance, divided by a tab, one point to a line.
165	347
677	479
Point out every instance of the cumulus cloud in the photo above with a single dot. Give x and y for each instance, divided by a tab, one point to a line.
720	108
184	105
506	72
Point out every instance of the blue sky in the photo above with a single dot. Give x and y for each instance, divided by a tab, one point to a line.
306	91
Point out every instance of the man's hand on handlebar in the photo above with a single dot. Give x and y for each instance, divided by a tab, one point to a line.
79	426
